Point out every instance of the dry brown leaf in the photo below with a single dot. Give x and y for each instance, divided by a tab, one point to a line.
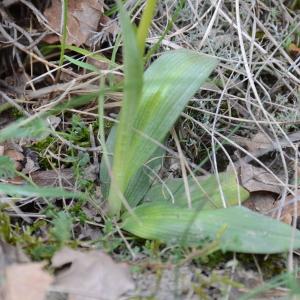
65	177
294	49
262	202
9	255
62	177
257	143
15	156
265	203
1	150
26	282
288	211
260	144
83	20
92	275
257	179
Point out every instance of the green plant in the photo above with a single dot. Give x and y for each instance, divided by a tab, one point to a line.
153	101
151	105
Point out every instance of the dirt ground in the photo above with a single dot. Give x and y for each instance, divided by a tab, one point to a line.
244	118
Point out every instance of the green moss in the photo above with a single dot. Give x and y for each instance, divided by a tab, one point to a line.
108	124
213	260
41	146
270	265
41	252
15	113
77	213
5	228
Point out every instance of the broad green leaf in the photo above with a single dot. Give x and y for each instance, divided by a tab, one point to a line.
35	191
133	83
7	167
104	175
23	128
150	108
141	182
241	229
169	83
205	194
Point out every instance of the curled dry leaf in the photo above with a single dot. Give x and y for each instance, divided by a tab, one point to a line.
92	275
26	282
258	179
83	20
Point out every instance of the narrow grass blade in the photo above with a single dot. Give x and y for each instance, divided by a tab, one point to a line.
96	56
145	23
242	230
47	49
74	102
133	70
204	194
35	191
82	64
